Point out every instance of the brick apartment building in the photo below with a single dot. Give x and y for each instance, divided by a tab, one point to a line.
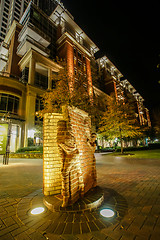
46	30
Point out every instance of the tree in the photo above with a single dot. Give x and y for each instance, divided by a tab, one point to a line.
119	120
156	121
69	90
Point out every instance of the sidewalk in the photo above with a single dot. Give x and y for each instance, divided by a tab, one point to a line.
134	186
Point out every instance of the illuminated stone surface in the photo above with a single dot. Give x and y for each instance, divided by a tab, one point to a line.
69	162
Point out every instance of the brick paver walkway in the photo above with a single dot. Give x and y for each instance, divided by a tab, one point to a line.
134	184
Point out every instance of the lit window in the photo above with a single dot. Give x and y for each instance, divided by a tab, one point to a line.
75	60
9	103
79	64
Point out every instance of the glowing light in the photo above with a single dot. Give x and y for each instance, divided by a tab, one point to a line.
31	133
107	213
37	210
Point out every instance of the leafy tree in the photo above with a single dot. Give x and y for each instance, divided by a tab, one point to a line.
119	120
70	90
156	121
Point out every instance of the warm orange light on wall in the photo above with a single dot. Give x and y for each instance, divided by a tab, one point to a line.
70	64
89	78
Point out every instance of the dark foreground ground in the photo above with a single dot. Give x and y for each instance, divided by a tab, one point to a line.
136	182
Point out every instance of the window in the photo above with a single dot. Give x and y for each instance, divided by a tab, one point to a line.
3	29
16	15
24	77
9	103
5	15
17	10
79	55
2	35
6	5
38	107
4	25
36	15
75	60
19	2
75	51
79	64
6	10
4	20
39	104
17	5
41	80
7	1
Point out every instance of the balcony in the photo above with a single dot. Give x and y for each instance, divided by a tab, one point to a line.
66	28
36	34
3	61
4	47
27	43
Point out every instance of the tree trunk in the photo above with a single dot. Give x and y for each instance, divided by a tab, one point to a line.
121	140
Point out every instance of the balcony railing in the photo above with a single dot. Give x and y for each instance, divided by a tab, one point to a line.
35	43
3	57
4	47
36	30
67	28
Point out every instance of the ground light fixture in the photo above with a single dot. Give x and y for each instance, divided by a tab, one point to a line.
38	210
107	213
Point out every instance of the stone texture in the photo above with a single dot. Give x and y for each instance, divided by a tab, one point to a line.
68	159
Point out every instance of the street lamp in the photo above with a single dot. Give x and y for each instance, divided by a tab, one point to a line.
6	119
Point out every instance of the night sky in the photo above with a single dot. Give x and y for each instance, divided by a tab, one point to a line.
128	32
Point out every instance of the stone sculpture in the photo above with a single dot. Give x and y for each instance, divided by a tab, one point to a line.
68	154
70	158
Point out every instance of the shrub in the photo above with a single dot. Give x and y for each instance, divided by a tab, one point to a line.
30	149
133	149
30	142
154	145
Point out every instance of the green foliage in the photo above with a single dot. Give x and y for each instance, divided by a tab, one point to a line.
30	141
156	121
128	149
119	121
38	131
30	149
53	99
72	90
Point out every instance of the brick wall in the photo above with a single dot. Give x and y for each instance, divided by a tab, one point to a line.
89	77
80	124
52	162
71	129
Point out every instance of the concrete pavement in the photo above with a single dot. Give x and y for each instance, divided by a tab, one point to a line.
133	185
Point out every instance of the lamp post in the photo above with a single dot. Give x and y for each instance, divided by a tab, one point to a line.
6	119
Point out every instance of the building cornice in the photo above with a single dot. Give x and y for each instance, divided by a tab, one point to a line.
11	31
67	35
48	63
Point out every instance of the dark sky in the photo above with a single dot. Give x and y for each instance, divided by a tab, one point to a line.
128	32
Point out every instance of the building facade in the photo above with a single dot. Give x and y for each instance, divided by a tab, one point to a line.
46	30
10	10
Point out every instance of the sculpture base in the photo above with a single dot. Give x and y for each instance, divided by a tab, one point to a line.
91	200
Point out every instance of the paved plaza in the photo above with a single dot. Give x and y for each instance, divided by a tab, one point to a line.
131	187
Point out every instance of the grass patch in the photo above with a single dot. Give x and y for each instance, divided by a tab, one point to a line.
139	154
